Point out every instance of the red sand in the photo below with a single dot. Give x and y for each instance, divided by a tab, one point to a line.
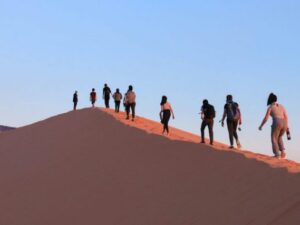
86	168
156	128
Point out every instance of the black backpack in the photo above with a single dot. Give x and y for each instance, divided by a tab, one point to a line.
233	112
209	112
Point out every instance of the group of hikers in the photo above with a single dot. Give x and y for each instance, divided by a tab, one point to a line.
232	114
128	100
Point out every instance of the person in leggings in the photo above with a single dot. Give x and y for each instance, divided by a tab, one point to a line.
279	126
234	118
165	114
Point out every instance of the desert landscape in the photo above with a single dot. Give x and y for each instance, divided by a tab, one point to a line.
91	166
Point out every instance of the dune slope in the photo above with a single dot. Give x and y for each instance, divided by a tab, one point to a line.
86	167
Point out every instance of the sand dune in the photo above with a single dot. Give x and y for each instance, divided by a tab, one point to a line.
92	167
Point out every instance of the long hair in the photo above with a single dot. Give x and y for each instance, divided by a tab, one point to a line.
272	98
163	100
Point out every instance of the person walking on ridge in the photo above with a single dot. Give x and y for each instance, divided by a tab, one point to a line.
106	95
117	96
234	118
279	126
165	114
75	100
93	97
208	114
130	102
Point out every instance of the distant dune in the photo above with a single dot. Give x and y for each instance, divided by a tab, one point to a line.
92	167
5	128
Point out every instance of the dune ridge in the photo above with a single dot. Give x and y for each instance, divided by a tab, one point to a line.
150	126
85	167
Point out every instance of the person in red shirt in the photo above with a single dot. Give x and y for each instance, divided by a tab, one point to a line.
93	97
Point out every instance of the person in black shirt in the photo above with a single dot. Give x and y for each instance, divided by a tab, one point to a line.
106	95
208	114
75	100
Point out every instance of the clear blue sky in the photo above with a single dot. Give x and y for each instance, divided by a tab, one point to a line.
188	50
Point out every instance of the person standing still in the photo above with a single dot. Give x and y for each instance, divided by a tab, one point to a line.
75	100
130	102
208	114
234	118
279	127
106	95
117	96
93	97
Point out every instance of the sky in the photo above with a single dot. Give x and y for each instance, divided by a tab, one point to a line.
187	50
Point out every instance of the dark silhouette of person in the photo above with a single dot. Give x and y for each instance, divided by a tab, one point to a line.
279	127
93	97
106	95
234	118
130	102
117	96
75	100
165	114
208	114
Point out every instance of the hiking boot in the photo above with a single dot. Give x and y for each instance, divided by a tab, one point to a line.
283	154
202	142
231	147
238	143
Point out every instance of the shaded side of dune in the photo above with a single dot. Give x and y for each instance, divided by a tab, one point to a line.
6	128
85	167
153	127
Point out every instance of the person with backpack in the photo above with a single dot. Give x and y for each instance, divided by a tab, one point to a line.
130	102
234	118
117	96
75	100
208	114
106	95
165	114
93	97
279	126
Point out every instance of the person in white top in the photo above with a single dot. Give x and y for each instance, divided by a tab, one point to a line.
117	96
130	102
165	114
279	126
